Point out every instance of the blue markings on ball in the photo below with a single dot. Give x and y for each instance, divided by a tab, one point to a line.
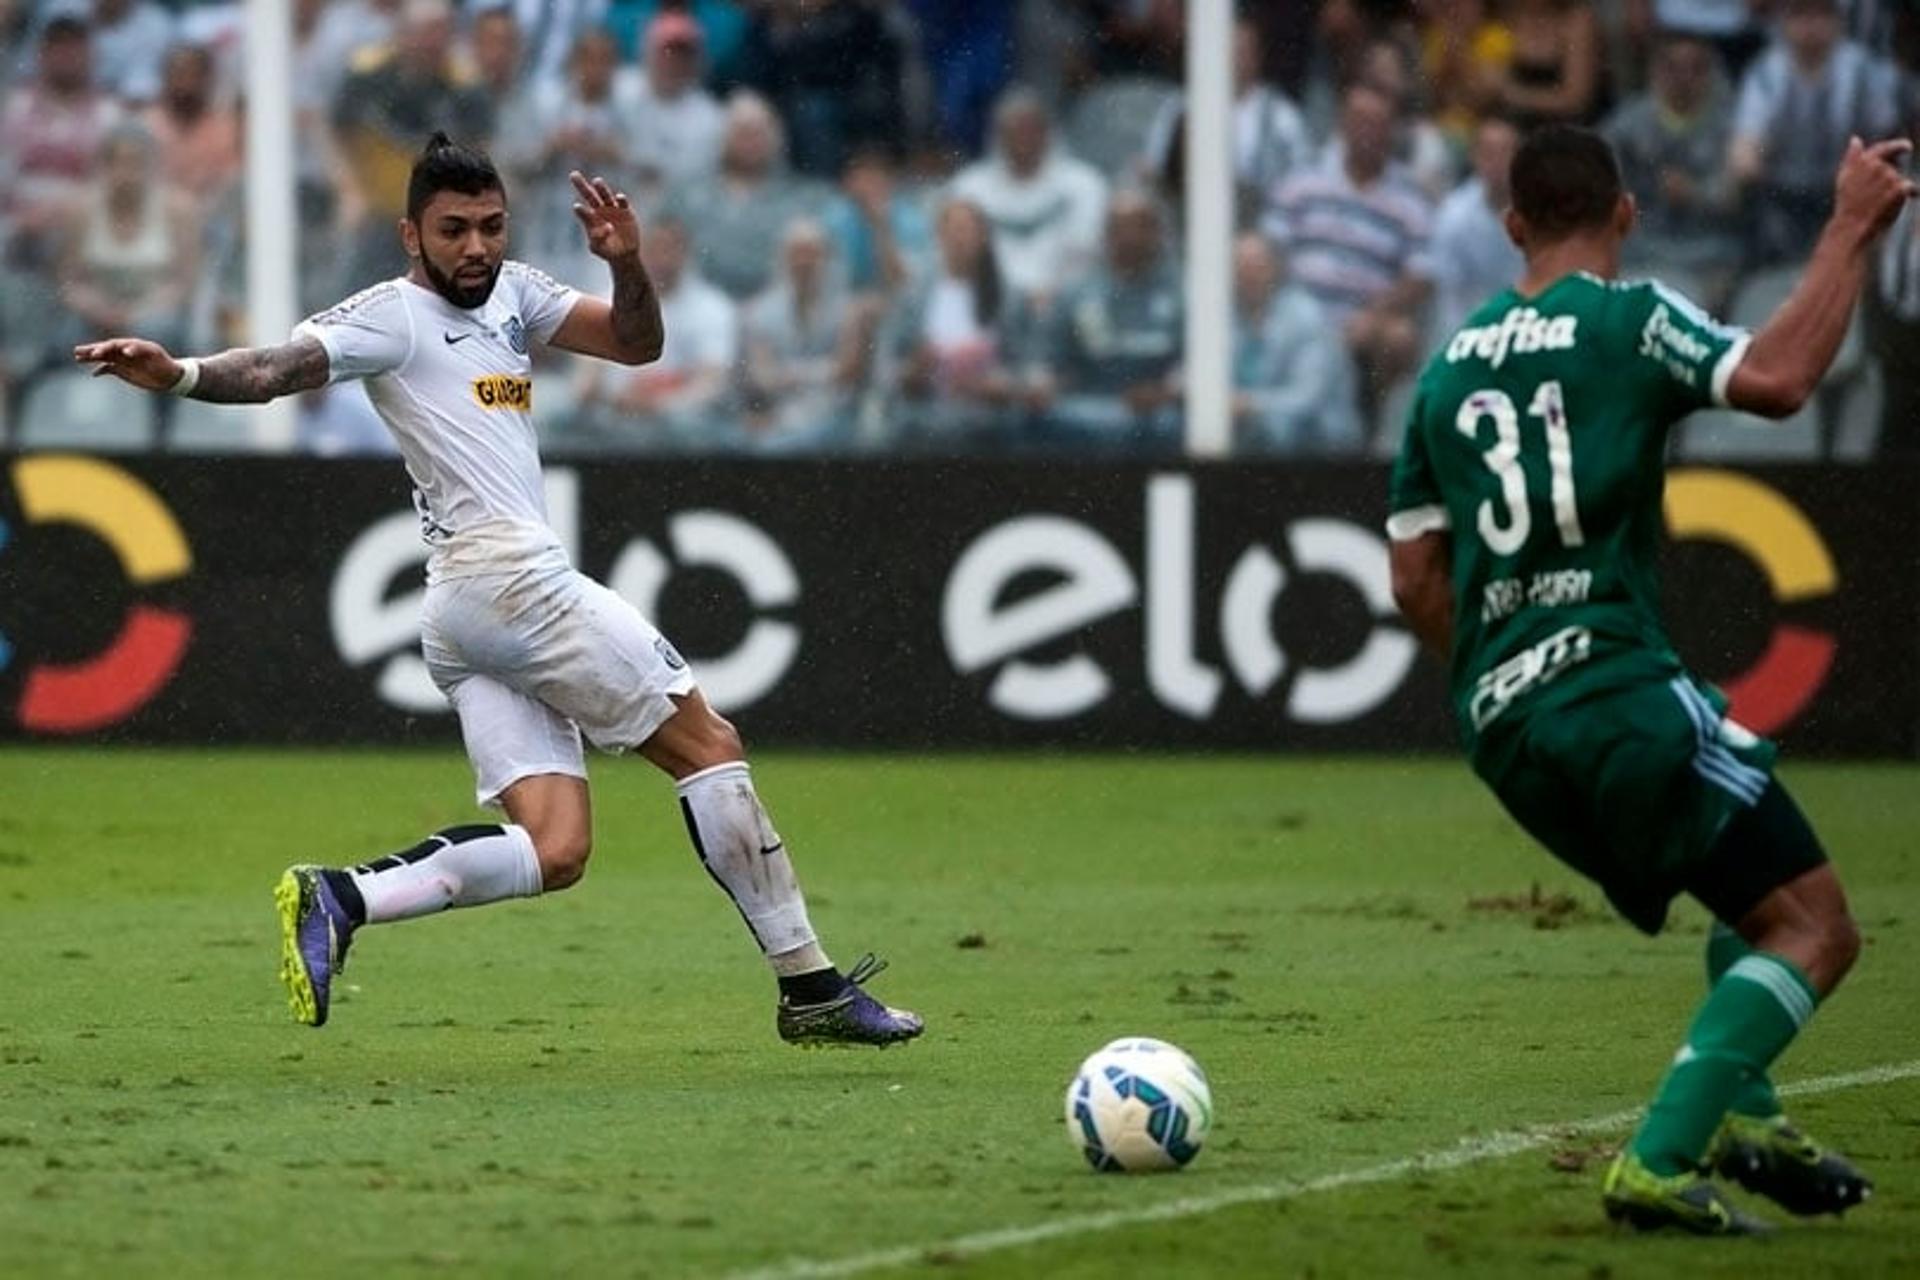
1091	1146
1167	1121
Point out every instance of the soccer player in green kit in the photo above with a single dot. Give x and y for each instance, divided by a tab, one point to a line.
1526	521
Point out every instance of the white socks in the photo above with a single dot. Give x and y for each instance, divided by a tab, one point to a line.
470	865
743	853
459	867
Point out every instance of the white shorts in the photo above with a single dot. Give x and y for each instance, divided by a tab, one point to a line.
531	658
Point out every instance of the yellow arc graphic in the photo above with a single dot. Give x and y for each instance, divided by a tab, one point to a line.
1724	506
107	501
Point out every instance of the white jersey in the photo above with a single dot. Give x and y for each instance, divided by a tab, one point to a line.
455	388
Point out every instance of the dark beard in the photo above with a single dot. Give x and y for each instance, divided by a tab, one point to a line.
466	297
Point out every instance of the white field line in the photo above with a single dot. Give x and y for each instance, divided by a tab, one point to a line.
1493	1146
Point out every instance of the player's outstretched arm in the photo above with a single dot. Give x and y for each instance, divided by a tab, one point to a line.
1423	588
244	375
628	328
1792	353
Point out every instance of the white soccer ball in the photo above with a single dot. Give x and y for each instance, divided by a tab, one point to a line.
1139	1104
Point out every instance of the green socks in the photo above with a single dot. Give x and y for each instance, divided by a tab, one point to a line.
1755	1096
1751	1015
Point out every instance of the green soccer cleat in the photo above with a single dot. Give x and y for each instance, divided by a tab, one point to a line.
1646	1201
1769	1157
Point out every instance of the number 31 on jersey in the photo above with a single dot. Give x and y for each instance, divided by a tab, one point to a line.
1506	536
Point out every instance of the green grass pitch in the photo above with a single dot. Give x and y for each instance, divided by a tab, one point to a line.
590	1085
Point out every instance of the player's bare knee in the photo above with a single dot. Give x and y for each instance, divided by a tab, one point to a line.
723	741
1839	946
714	742
563	858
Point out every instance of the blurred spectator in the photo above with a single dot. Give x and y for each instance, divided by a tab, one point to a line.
393	99
833	69
1044	205
1554	74
742	210
882	234
322	45
1888	28
1345	32
1417	143
953	375
1269	134
679	399
550	30
16	38
1472	257
674	126
199	137
807	345
496	55
723	29
1892	317
1138	37
1464	53
1732	28
969	52
1672	144
1799	103
1355	231
1108	350
131	257
337	34
1051	50
130	37
566	124
1293	388
50	135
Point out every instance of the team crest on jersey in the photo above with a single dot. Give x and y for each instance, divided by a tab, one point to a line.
516	335
504	391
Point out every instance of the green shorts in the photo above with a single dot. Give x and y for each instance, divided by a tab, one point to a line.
1636	788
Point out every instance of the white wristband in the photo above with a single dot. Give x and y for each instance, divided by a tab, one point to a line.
189	378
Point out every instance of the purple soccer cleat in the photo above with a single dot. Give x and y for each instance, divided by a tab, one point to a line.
315	932
851	1018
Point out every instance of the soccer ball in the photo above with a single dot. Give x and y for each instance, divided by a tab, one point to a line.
1139	1104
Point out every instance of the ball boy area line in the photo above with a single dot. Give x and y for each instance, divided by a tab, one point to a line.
1468	1151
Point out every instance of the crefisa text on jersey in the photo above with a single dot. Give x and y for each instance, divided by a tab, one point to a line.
1521	331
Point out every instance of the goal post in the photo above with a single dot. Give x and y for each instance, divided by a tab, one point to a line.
1209	228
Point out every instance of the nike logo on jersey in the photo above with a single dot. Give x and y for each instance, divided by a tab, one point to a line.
768	850
456	337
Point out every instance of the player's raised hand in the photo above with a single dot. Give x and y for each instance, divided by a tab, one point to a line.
1871	189
607	215
144	364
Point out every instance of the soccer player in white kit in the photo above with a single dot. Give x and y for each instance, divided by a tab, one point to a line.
531	653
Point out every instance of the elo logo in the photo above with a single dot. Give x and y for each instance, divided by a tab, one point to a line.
1755	520
110	685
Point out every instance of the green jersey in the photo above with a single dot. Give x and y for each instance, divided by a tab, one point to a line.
1538	439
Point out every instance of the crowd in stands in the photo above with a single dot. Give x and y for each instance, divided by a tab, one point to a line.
909	225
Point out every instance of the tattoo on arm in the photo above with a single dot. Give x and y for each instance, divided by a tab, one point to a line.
255	375
636	307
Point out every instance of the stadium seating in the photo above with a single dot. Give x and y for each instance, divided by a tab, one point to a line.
1107	126
199	427
71	409
1855	434
1759	295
